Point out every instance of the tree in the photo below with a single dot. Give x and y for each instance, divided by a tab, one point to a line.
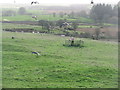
60	22
22	11
101	12
61	14
45	24
75	25
115	10
83	14
97	33
72	14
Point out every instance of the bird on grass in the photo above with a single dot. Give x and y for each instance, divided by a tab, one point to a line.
34	2
35	17
36	53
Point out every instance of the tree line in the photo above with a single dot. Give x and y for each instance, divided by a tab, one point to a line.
104	13
100	13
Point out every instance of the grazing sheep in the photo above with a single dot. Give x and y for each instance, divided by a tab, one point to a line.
36	53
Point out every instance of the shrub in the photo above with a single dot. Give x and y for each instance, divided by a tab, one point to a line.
75	43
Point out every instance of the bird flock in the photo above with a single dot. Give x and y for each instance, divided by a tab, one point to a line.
34	2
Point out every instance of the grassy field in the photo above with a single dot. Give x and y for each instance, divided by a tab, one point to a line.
12	26
93	66
29	18
20	26
39	15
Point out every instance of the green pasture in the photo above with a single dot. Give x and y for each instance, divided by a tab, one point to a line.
86	26
93	66
20	26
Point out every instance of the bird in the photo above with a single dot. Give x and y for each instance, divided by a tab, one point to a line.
37	53
92	2
34	2
35	17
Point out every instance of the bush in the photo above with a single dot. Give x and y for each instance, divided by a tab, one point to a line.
75	43
85	35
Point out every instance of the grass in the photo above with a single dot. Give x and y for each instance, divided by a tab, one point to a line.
86	26
82	20
93	66
18	18
29	18
20	26
42	17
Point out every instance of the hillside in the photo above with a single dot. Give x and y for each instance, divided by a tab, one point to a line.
93	66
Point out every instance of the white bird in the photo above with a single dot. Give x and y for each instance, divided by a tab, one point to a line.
35	17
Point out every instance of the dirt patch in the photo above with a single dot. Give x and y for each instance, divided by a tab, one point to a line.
111	32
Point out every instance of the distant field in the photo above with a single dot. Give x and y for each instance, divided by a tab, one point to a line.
86	26
19	26
93	66
29	18
11	25
41	16
18	18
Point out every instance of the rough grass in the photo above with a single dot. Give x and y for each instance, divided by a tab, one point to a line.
20	26
29	18
42	16
94	66
18	18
